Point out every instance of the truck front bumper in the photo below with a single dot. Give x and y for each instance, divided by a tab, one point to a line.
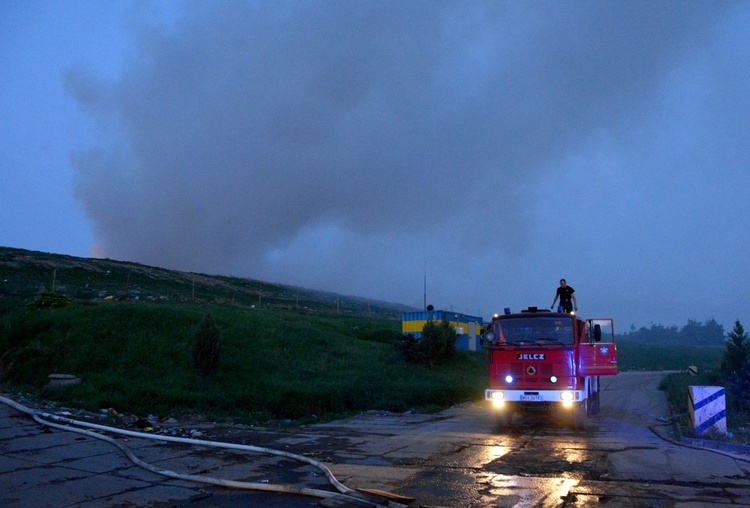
567	397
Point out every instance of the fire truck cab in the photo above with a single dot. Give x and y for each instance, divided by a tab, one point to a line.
550	361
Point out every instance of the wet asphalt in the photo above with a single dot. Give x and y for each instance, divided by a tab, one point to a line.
452	458
47	467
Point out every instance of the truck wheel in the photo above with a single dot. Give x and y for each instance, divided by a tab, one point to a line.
594	406
580	415
593	397
504	418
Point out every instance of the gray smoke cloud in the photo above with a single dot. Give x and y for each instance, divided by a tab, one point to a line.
345	144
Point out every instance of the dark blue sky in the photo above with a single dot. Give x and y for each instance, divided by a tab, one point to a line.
349	146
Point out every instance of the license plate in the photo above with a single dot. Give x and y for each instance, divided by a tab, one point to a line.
533	398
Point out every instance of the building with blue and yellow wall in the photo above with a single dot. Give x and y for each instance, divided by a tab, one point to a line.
468	328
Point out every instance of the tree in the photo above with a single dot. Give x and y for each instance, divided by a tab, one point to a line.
736	352
738	388
710	333
657	334
438	342
206	349
694	333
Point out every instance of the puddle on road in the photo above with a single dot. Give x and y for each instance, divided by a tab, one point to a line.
535	464
544	448
565	460
443	487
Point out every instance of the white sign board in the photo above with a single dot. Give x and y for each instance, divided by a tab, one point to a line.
708	410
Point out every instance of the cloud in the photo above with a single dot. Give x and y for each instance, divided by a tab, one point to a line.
310	141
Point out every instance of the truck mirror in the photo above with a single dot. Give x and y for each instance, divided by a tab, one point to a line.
597	333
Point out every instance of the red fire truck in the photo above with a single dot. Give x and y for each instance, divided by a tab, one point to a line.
543	360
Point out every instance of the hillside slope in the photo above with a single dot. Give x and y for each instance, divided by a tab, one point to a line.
25	274
130	337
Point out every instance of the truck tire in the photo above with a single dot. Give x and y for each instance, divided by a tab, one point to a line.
594	405
504	418
580	415
593	397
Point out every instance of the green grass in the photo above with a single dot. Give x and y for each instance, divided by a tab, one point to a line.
25	274
637	356
274	364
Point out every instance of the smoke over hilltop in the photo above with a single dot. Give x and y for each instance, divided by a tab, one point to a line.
343	143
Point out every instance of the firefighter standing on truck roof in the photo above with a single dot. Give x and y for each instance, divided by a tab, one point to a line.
567	297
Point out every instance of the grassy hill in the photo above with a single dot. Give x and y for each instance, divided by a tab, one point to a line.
25	274
128	330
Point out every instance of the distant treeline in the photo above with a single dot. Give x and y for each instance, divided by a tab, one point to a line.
694	333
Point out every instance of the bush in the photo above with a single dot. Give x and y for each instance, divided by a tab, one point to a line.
411	349
206	350
438	343
439	340
25	364
49	300
738	388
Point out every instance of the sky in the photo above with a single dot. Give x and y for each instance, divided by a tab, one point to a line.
478	150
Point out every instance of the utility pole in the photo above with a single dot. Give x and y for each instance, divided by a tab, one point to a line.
424	306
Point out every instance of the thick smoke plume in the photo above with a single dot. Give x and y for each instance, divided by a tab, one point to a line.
347	145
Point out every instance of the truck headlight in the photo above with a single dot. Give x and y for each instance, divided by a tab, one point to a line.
498	399
567	398
508	378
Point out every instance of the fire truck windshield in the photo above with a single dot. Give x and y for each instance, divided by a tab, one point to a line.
536	330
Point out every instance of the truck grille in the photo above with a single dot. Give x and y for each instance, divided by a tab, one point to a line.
531	372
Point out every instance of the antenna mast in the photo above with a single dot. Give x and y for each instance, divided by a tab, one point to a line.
425	284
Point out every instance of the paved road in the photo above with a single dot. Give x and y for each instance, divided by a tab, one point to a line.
454	458
43	467
621	461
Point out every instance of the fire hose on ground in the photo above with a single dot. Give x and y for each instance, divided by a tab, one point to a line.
670	421
343	493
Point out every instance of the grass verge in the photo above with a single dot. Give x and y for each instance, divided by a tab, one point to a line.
273	364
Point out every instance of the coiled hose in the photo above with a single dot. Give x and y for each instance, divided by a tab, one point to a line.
344	493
